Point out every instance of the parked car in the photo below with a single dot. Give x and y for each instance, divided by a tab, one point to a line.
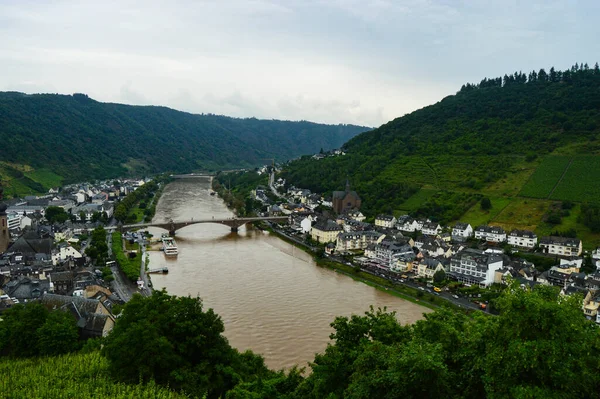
455	296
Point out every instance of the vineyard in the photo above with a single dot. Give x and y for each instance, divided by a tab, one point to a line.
580	183
70	376
545	177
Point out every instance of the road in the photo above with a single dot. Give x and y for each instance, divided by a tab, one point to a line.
147	291
274	190
389	275
120	285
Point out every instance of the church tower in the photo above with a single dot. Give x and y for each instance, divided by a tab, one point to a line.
4	236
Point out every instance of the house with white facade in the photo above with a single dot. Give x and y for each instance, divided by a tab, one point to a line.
522	238
407	224
490	233
387	253
562	246
65	252
462	231
473	266
431	229
387	221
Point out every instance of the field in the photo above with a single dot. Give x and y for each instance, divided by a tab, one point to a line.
522	213
45	177
545	177
415	201
581	183
476	216
70	376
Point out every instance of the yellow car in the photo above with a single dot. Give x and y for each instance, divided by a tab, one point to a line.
436	289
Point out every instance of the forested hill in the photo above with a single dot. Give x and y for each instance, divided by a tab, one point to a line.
532	135
517	114
77	137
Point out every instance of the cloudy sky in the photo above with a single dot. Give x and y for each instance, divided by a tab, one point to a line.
350	61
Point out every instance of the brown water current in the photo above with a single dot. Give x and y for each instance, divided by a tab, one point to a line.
272	297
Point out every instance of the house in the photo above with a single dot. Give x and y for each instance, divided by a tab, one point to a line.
326	231
358	240
407	224
473	266
591	303
522	238
490	233
355	214
64	252
94	319
387	253
431	229
346	200
436	247
461	232
403	265
387	221
559	275
428	267
563	246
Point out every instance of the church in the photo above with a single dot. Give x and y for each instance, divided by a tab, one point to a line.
345	200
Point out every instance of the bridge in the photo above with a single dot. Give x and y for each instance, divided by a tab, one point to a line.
172	226
193	175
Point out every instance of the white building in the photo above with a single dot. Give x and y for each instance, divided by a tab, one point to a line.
475	267
522	238
564	246
462	231
431	229
65	252
490	233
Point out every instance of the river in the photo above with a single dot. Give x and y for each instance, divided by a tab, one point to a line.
272	297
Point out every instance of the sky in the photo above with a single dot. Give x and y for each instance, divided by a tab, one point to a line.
362	62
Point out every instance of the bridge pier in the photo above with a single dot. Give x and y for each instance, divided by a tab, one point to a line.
172	233
234	229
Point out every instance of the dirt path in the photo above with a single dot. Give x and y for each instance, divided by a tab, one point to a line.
559	180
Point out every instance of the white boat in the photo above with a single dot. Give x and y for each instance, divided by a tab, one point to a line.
169	246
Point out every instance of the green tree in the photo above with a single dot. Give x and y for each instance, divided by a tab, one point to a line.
173	340
58	335
56	214
439	276
18	329
486	204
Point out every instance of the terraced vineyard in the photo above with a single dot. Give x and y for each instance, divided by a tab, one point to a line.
581	182
545	177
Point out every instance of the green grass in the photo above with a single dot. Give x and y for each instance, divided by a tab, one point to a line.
70	376
581	183
414	202
545	177
522	213
46	178
131	267
476	216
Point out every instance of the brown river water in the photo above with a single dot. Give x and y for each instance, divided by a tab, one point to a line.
272	297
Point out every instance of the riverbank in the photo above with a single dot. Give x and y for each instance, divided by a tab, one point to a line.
398	290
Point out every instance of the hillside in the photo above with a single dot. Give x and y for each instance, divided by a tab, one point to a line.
47	138
70	376
528	142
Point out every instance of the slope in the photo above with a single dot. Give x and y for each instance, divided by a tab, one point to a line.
487	140
79	138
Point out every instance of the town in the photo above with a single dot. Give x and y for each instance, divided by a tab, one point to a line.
460	260
47	251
